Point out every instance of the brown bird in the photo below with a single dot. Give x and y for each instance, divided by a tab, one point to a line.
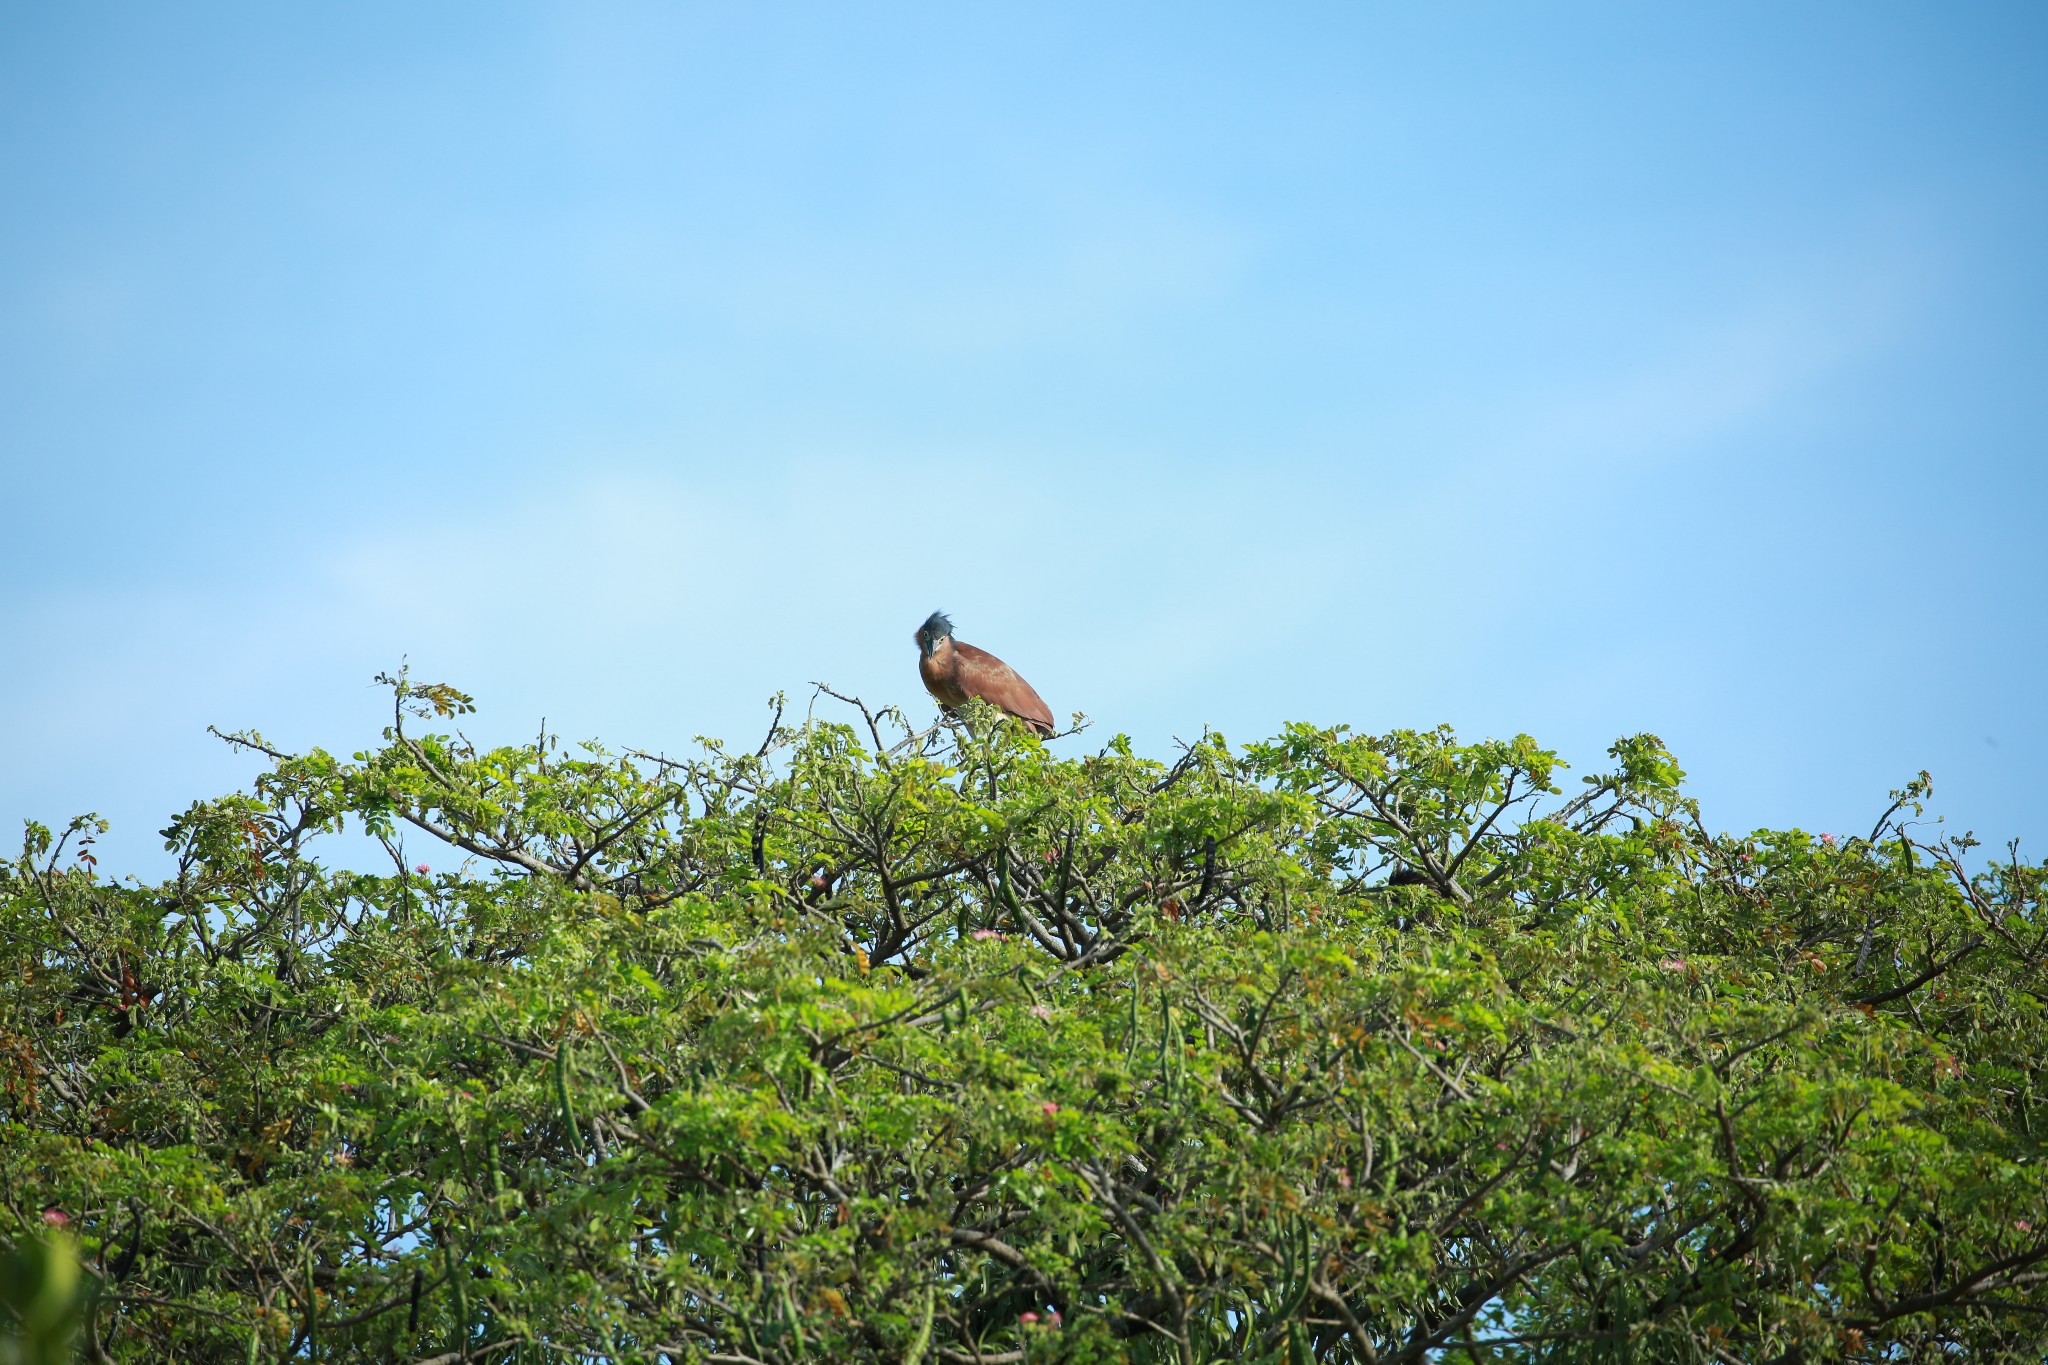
954	671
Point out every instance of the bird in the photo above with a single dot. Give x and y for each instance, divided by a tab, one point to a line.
953	671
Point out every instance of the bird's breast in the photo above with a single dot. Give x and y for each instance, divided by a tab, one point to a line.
940	670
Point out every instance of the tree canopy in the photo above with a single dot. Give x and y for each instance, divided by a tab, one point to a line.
875	1044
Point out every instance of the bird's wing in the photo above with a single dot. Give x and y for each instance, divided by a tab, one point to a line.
982	674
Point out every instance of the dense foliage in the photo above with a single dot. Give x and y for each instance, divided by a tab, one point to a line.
878	1046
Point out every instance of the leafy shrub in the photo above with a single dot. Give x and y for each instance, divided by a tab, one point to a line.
871	1045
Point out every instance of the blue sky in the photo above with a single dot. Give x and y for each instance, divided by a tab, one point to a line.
1567	369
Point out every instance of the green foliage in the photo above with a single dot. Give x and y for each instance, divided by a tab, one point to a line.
870	1045
41	1300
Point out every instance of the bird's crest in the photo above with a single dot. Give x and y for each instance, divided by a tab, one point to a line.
936	627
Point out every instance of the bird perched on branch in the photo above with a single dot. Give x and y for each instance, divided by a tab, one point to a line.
954	671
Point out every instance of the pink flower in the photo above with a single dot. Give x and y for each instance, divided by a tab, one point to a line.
1050	1108
423	869
984	935
1053	1318
2022	1224
57	1218
1041	1011
1673	964
1027	1317
1343	1179
1828	839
